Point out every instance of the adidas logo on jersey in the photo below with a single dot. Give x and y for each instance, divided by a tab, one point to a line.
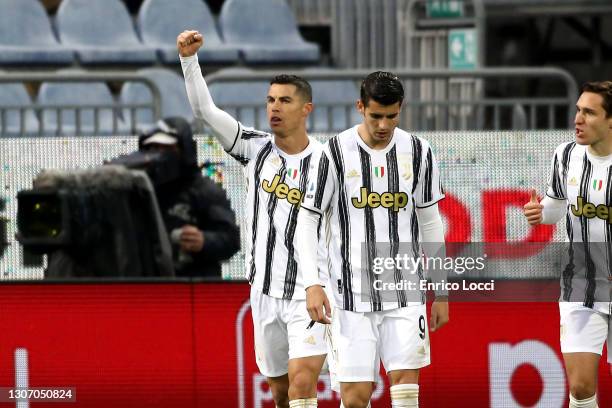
588	210
282	190
386	200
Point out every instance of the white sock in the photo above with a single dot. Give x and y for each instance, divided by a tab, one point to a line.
590	402
303	403
405	396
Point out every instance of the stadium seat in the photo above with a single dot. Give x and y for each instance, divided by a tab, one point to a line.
173	94
13	95
245	101
265	31
101	32
334	105
26	37
159	26
85	95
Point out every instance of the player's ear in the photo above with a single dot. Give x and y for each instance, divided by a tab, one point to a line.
360	107
307	108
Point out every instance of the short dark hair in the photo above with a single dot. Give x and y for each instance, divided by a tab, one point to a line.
603	88
383	87
303	87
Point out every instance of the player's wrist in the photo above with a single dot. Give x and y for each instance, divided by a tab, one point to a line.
312	285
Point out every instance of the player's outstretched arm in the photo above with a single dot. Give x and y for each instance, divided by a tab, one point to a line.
224	127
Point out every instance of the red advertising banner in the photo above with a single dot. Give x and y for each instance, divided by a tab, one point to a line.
191	345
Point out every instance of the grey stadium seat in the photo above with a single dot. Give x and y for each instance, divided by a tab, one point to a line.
101	32
159	26
173	95
265	31
26	37
85	95
13	95
245	101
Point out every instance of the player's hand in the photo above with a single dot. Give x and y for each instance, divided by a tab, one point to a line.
533	209
189	42
318	304
192	239
439	313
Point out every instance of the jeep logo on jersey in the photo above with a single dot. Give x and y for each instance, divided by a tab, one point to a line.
588	210
386	200
282	190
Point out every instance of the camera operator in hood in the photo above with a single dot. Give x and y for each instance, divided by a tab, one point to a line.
197	214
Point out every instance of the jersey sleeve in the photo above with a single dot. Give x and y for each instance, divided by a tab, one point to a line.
556	187
247	143
428	188
321	184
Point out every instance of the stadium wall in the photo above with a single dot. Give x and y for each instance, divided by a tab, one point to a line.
191	345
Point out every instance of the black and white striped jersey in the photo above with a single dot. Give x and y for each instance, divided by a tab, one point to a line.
584	181
275	182
369	196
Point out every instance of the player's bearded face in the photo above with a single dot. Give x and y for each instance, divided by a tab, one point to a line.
287	111
380	120
592	126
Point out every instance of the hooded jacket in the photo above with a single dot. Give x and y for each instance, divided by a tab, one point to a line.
196	200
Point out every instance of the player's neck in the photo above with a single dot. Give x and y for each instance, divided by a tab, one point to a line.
602	148
370	141
292	143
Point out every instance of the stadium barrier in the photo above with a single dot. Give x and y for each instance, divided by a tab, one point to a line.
159	345
449	109
70	78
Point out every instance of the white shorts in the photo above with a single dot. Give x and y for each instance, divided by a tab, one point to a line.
359	341
584	330
281	333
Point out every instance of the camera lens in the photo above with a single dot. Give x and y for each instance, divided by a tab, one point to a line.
39	216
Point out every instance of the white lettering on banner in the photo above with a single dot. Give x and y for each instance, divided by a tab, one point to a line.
22	374
504	359
259	395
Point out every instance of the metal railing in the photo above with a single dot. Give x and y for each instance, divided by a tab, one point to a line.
119	124
311	12
452	110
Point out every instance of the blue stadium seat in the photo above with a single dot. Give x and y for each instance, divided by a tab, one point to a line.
245	101
85	95
265	31
14	95
101	32
159	27
26	37
173	94
334	105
